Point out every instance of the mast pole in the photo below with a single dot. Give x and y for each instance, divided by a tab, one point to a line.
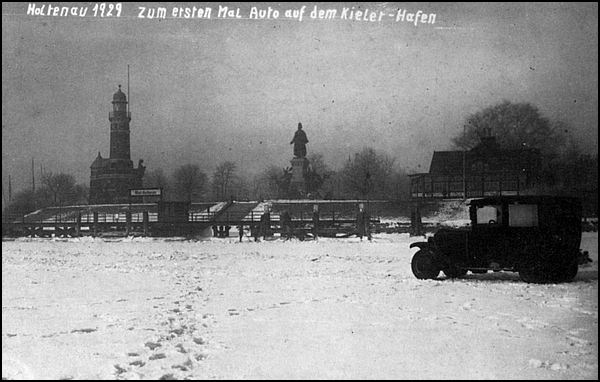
128	94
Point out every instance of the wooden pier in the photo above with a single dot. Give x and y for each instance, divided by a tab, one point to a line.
294	218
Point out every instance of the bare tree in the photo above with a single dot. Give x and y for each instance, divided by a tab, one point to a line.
157	179
23	202
223	178
369	174
318	164
514	125
83	193
241	187
189	183
334	188
62	188
271	183
399	185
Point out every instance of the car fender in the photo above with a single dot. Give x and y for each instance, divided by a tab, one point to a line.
420	245
443	259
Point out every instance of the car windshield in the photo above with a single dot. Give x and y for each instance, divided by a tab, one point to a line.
489	215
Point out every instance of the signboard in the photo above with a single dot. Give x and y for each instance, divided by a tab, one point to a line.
146	192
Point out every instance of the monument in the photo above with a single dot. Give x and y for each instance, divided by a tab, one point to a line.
300	165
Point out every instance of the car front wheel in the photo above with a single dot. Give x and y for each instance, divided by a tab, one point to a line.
424	266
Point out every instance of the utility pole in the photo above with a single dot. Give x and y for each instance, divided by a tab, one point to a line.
128	94
33	185
32	177
367	214
464	162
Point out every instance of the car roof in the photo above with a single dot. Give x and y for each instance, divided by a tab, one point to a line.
526	199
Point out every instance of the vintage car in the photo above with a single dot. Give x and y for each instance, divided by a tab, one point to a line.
537	236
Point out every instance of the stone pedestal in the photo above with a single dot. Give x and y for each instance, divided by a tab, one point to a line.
298	181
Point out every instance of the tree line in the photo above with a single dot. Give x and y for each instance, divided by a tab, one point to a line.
367	174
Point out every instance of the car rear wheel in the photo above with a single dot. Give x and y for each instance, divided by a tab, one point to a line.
531	275
424	266
569	272
549	273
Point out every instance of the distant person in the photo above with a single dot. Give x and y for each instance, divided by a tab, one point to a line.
299	142
254	232
265	224
286	228
241	232
363	224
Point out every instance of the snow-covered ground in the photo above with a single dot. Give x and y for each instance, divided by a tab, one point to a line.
139	308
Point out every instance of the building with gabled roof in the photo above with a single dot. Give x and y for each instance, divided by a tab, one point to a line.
486	170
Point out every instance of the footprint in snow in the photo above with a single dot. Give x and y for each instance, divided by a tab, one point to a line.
156	356
575	341
556	366
576	353
152	345
532	324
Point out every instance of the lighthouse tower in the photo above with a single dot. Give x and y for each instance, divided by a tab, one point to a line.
113	177
119	119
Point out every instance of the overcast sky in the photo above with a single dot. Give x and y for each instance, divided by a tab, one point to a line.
206	91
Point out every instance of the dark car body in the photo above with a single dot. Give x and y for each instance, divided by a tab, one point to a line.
537	236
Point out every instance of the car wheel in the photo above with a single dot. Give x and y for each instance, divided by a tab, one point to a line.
529	275
549	274
424	266
537	275
569	272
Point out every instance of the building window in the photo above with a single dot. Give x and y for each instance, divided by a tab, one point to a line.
456	186
522	182
509	185
492	186
480	167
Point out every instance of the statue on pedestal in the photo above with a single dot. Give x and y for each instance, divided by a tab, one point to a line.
299	142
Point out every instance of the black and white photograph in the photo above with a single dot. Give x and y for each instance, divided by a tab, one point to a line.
299	190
